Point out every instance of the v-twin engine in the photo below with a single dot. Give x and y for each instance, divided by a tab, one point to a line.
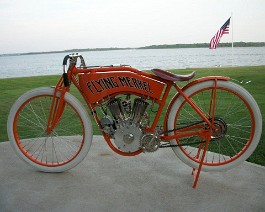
118	109
125	125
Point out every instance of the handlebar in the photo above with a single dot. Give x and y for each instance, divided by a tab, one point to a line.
73	59
65	60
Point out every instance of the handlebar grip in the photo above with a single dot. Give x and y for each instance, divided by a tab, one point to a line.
65	80
65	60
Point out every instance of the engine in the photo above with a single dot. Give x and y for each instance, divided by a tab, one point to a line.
125	125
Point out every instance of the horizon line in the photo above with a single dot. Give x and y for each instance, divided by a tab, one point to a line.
154	46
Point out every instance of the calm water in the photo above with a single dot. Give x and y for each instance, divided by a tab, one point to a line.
50	64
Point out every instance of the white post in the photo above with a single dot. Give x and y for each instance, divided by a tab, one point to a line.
232	30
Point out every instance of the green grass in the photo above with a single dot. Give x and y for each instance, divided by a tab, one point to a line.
13	88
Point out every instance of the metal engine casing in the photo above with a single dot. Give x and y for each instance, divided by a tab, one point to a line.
125	126
127	138
107	124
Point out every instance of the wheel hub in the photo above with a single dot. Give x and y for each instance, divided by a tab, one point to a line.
221	129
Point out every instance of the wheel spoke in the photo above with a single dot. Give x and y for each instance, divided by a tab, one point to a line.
232	118
56	148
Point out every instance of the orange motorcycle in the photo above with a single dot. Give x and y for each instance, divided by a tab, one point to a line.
211	123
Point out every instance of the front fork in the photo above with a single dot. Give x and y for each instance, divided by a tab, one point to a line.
58	101
57	106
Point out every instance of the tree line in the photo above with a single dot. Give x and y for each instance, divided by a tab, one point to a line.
204	45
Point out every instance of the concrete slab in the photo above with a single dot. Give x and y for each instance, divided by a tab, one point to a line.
105	181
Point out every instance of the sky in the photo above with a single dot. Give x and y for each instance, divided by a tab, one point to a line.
50	25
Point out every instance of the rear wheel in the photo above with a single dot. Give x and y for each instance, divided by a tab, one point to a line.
56	151
237	119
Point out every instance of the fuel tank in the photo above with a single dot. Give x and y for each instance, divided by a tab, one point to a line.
100	83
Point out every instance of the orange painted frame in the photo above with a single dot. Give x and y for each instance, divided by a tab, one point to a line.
160	94
152	87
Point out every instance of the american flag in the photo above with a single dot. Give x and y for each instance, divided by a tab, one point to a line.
223	30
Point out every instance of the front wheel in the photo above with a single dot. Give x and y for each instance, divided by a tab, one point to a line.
56	151
236	116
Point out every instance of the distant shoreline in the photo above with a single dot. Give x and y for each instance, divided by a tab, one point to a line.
165	46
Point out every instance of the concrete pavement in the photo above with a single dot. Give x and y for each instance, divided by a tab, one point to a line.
105	181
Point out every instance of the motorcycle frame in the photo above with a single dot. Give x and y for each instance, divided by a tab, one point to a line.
73	72
69	77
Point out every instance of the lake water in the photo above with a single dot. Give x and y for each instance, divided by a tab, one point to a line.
146	59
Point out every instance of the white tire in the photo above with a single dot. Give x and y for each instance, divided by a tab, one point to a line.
238	131
58	151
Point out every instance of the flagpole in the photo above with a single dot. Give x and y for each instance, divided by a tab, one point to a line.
232	29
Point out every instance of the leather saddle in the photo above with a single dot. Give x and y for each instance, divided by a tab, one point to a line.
172	77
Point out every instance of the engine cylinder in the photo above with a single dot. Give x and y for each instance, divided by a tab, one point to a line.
116	109
139	107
